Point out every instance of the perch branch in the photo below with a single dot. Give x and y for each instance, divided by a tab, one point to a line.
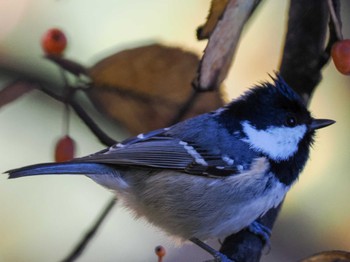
301	68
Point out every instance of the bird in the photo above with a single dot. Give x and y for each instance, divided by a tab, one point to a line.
212	175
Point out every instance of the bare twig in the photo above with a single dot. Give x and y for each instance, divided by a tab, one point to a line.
90	123
332	34
335	19
187	105
104	139
68	98
77	251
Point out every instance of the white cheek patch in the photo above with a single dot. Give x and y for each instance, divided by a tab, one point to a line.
279	143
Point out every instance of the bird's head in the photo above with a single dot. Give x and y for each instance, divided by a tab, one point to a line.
273	120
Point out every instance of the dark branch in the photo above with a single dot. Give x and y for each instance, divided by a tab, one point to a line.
304	45
303	58
90	123
77	251
186	107
95	129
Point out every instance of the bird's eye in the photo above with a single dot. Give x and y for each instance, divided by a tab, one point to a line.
291	121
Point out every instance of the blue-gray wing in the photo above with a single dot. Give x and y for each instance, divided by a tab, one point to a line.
159	150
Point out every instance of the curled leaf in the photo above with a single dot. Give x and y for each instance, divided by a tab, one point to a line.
144	88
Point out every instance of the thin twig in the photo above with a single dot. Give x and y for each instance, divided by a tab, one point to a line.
187	105
65	78
66	119
67	98
336	19
77	251
332	38
104	139
89	122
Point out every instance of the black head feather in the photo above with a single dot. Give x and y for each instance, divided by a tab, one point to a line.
271	105
285	89
268	104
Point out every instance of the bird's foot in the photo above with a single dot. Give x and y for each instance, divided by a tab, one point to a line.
218	257
262	231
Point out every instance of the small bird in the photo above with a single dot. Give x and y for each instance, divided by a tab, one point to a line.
212	175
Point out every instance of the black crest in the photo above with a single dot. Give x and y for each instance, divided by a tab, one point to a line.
285	89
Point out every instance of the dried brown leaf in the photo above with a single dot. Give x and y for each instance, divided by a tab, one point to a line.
15	90
217	9
144	88
222	44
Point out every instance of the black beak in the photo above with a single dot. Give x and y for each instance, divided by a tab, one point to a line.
320	123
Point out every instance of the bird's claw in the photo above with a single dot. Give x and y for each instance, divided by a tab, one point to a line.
262	231
218	256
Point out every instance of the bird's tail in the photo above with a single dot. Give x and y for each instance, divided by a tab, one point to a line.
76	168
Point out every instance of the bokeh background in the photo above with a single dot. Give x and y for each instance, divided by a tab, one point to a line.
42	218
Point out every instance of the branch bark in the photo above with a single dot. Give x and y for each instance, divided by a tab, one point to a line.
305	46
303	58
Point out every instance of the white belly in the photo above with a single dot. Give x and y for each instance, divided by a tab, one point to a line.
189	206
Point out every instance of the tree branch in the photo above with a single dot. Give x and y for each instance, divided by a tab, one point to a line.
304	46
301	68
89	122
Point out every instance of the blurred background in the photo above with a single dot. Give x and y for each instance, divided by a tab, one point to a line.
42	218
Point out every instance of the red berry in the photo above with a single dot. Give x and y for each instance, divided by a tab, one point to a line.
65	149
341	56
160	252
54	42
